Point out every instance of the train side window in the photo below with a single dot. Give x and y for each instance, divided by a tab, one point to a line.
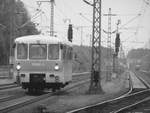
69	53
64	52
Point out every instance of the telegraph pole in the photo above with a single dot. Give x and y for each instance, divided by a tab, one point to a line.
51	16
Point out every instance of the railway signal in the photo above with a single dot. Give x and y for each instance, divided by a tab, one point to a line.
70	33
117	43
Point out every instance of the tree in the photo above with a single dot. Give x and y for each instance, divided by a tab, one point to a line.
13	15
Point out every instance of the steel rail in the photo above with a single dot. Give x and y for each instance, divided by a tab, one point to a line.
143	81
127	108
104	103
76	77
115	105
127	98
42	97
13	85
10	97
7	86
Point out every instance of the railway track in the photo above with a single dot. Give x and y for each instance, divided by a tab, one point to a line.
133	101
10	97
75	77
8	86
141	77
120	104
141	103
14	102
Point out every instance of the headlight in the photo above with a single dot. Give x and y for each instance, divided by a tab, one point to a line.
18	67
56	67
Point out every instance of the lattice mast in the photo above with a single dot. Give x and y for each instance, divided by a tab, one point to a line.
51	14
95	84
109	34
109	54
52	19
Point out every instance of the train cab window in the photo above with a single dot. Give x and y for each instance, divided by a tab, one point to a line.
38	51
22	50
53	52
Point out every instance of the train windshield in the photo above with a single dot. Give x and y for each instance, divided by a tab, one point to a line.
22	51
53	52
38	51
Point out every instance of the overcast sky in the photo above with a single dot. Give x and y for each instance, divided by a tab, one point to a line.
126	10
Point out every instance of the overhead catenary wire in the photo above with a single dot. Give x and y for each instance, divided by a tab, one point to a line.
128	22
67	5
31	7
61	12
37	14
85	17
147	2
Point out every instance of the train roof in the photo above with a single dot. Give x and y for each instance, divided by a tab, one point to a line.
41	39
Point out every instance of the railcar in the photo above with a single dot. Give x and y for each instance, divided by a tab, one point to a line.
42	62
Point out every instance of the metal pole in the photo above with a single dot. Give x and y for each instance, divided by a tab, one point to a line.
52	19
115	56
81	35
51	15
95	85
12	35
108	78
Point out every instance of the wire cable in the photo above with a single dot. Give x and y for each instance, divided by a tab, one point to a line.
85	17
35	16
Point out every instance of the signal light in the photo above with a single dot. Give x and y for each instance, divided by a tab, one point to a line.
70	33
117	43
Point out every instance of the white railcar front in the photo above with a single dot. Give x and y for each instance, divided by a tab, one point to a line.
44	61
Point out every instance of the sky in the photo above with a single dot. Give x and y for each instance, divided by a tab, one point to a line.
135	32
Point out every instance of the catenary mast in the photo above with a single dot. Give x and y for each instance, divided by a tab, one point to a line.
95	84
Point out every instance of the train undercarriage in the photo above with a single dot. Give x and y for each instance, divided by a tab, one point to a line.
40	86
